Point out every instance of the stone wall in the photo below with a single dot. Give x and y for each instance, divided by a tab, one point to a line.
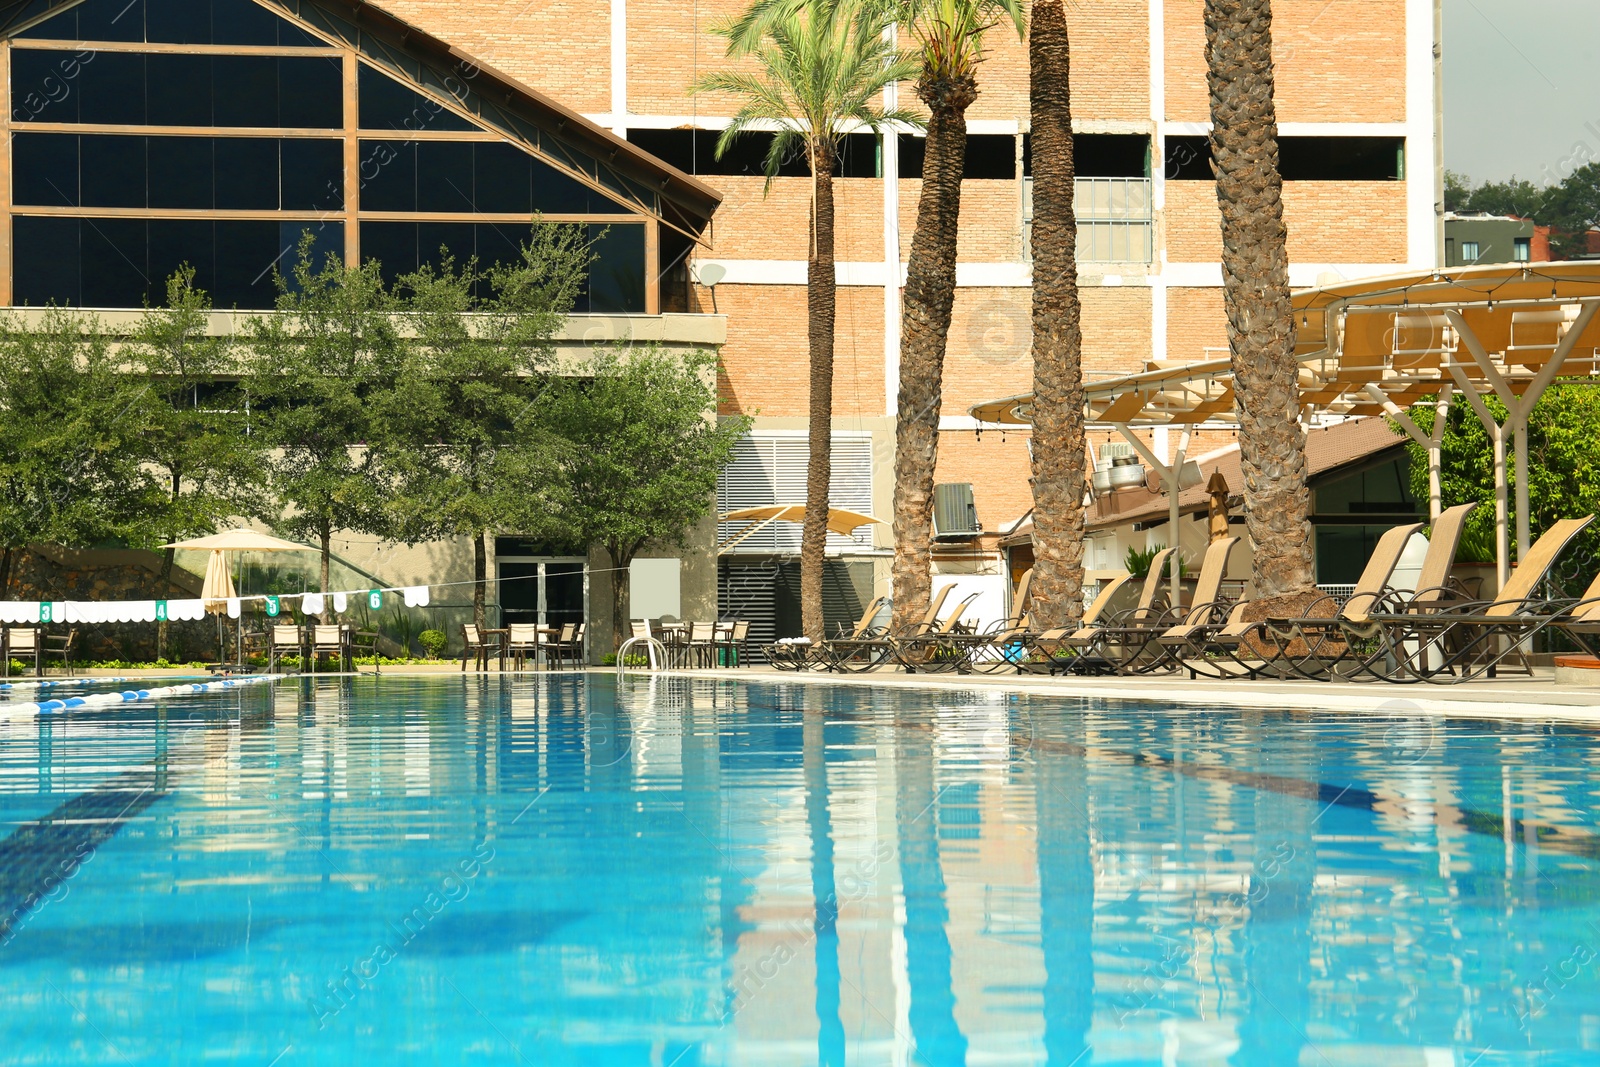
51	573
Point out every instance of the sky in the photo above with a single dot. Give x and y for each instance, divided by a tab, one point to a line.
1521	88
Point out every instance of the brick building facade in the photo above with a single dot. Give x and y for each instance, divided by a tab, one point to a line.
1356	102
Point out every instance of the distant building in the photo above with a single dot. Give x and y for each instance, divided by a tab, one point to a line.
1482	238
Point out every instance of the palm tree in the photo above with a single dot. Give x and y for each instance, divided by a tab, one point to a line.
1058	438
949	42
822	64
1255	272
948	35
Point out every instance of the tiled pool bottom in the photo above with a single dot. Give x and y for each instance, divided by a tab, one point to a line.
514	870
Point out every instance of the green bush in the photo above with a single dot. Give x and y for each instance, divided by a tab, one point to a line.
433	642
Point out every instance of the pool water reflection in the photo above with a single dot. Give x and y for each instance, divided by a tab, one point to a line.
543	871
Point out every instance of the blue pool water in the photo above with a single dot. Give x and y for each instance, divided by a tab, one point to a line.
538	871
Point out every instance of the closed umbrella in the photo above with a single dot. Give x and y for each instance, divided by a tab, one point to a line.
1218	508
218	587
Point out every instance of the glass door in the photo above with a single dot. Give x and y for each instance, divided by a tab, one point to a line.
550	591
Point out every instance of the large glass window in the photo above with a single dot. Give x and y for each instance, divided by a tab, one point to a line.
119	152
242	22
616	283
127	89
388	105
121	263
195	173
482	176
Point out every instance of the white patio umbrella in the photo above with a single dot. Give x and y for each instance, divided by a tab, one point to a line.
218	587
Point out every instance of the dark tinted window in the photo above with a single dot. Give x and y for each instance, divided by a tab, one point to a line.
110	171
1302	159
1101	155
123	262
116	88
695	152
386	104
465	176
616	281
173	22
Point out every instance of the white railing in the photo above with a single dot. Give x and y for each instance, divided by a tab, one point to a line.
1115	221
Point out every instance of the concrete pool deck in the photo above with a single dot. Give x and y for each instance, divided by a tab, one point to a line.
1493	698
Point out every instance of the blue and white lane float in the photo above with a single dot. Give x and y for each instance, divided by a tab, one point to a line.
72	683
132	696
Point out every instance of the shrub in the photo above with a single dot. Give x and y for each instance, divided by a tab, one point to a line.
433	642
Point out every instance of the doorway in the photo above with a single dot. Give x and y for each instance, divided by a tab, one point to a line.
548	590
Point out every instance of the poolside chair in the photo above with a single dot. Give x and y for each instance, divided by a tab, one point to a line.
1002	645
24	643
562	645
1473	639
522	638
1080	641
1151	646
330	640
284	639
941	647
861	648
701	646
1311	644
477	646
732	641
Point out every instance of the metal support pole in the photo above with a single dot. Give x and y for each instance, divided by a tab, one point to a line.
1441	413
1502	554
1519	435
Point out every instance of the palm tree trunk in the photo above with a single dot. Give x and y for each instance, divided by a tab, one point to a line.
821	299
1058	438
6	556
930	292
1255	272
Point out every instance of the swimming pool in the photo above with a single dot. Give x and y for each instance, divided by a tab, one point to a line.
536	870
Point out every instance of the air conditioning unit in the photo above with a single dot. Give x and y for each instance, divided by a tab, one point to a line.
954	513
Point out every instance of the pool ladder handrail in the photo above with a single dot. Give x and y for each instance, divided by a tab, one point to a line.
651	643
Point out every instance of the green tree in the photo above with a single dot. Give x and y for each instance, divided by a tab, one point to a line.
69	461
642	449
455	455
317	369
822	66
1059	444
1571	210
1563	450
1255	274
192	426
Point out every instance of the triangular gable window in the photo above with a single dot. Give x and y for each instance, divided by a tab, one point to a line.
217	22
245	151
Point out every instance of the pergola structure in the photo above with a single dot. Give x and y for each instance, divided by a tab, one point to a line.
1379	346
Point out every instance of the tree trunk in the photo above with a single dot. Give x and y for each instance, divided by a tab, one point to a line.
1058	438
925	327
480	580
1255	273
327	554
820	307
6	557
164	591
621	589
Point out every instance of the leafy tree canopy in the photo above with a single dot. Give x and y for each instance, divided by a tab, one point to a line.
1563	448
643	455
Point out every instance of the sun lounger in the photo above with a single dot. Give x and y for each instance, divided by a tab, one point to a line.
1473	639
1072	650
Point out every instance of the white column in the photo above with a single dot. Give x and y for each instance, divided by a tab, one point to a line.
1424	187
619	67
891	257
1158	179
